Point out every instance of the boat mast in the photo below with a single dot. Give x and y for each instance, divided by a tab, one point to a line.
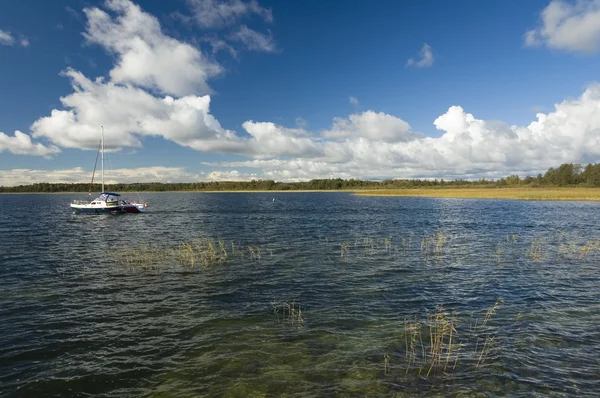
102	127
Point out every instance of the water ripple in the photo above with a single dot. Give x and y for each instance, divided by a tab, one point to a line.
355	270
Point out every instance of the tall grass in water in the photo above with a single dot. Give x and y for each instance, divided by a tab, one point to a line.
145	257
436	344
202	252
197	253
490	336
433	245
290	312
535	252
431	345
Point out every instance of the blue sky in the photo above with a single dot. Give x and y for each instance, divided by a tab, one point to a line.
293	90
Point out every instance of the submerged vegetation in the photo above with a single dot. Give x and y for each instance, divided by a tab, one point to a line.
202	252
362	342
408	351
566	175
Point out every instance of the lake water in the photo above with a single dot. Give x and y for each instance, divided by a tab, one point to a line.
321	294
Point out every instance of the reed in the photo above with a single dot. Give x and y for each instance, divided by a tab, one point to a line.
413	343
490	337
436	344
535	251
254	253
577	194
344	249
433	245
289	312
388	243
202	252
145	257
442	328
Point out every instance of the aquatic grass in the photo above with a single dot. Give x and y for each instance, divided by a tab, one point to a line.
388	243
535	251
436	344
290	312
498	255
344	248
433	245
441	327
490	336
254	253
438	350
202	252
413	342
145	257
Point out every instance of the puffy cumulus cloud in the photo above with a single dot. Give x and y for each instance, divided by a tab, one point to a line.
367	145
371	125
145	55
253	40
426	58
21	144
568	26
270	140
128	112
468	148
221	13
79	175
230	175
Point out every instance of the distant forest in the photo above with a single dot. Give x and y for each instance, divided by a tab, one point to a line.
567	175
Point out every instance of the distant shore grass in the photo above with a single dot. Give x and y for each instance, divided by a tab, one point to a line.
523	193
577	194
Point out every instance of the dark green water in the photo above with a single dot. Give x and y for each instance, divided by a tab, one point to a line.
76	320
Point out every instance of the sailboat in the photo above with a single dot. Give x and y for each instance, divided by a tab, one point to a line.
107	202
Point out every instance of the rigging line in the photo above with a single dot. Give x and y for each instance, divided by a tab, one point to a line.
94	172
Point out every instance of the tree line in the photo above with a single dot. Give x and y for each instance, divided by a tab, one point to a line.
567	175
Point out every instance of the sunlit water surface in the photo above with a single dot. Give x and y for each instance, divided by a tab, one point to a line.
365	278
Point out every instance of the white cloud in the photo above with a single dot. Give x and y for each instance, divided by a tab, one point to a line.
570	27
230	175
366	145
222	13
370	125
270	140
79	175
468	148
353	100
426	58
253	40
145	55
21	144
127	112
7	39
219	45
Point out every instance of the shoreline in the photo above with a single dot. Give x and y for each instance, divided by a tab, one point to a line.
123	193
542	194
